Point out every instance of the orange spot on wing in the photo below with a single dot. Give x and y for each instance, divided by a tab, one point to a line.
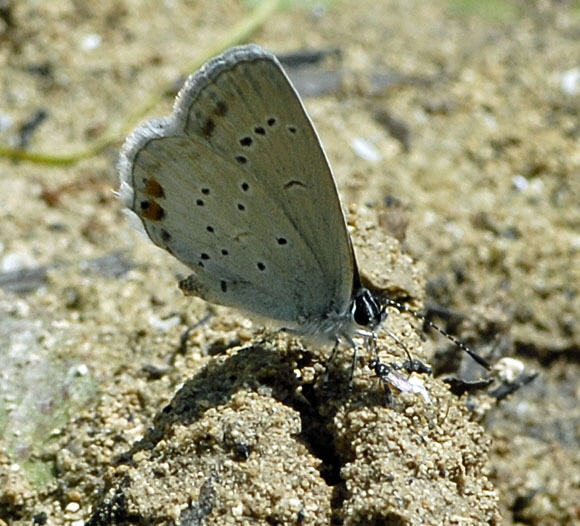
153	188
152	211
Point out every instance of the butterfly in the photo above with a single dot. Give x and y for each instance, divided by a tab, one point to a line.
236	185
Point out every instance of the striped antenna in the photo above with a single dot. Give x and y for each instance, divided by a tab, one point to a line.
402	308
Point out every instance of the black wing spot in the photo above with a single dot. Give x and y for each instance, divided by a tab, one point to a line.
221	109
199	202
208	128
205	191
204	256
224	286
241	207
246	141
291	129
225	252
282	241
261	266
209	228
271	121
260	130
294	182
241	159
245	186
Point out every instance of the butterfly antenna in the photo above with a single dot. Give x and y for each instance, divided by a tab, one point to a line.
402	308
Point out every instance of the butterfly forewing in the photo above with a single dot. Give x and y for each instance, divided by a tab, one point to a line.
235	184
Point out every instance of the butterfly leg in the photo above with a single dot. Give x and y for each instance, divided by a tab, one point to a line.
328	362
401	344
354	358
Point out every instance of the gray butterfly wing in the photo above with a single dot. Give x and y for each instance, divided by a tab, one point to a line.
236	185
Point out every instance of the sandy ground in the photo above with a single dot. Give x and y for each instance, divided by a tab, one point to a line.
452	131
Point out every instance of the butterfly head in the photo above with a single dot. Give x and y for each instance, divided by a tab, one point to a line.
366	310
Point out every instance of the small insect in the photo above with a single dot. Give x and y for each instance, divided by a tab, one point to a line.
389	378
